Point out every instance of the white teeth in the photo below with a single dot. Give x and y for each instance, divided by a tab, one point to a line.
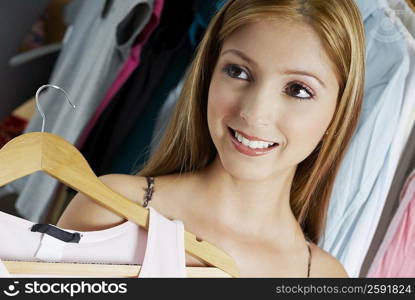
238	137
252	144
245	141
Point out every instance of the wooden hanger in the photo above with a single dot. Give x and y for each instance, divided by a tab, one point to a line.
41	151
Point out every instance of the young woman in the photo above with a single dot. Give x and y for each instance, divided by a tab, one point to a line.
249	158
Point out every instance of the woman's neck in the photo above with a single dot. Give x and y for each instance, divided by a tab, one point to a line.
245	208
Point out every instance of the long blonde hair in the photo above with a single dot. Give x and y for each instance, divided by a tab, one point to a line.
186	144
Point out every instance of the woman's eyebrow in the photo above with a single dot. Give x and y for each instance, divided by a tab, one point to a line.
285	72
241	55
304	73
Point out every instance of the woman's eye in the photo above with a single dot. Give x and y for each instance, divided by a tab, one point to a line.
236	72
299	91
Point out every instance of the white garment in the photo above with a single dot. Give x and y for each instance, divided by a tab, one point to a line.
407	16
160	251
405	13
365	174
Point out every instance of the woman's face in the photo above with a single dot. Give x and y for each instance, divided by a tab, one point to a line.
272	82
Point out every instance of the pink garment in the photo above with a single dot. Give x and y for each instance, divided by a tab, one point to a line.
396	255
161	251
129	66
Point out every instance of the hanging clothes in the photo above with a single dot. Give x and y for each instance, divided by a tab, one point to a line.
134	151
160	251
396	255
138	145
406	123
205	10
94	50
360	187
129	104
11	127
164	116
405	13
406	165
129	66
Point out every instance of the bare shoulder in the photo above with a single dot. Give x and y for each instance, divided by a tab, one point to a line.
96	217
324	264
130	186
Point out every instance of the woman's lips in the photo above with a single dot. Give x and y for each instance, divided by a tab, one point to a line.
246	150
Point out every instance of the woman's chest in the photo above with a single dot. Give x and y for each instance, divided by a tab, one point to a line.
253	258
262	264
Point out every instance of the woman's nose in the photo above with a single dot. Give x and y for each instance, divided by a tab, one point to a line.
254	120
258	109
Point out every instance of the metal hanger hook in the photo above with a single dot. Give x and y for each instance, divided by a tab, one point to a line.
38	105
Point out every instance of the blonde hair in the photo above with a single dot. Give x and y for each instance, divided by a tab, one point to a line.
186	144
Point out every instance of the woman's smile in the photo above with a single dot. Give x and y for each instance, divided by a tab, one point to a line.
255	150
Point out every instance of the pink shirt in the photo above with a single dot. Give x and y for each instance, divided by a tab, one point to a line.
396	254
160	251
